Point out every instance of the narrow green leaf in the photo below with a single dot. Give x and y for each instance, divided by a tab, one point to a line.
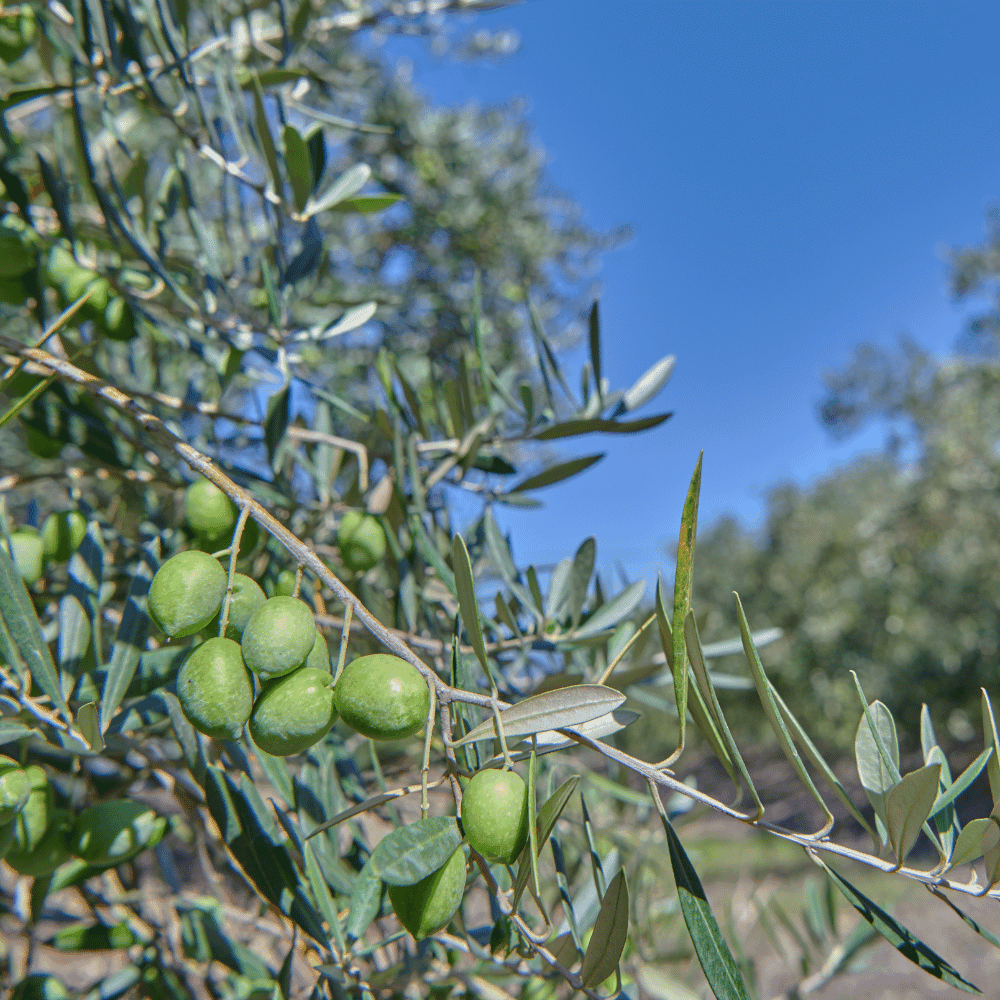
710	700
345	186
297	162
908	806
595	425
132	632
595	346
365	902
560	709
774	715
265	138
717	962
583	569
966	919
22	626
683	582
468	606
276	422
610	933
903	940
368	204
276	770
928	738
991	848
612	612
992	739
545	823
411	853
962	782
556	473
878	770
352	319
321	893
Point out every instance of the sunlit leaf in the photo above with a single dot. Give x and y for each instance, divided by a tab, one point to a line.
411	853
612	612
556	473
607	942
345	186
907	807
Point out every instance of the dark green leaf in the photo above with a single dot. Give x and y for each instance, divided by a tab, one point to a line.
978	928
277	422
299	166
713	953
544	825
595	346
264	136
467	604
367	204
22	625
900	938
365	902
908	805
610	933
595	425
131	638
411	853
555	474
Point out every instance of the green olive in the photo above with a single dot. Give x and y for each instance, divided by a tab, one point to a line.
186	593
62	534
51	850
279	636
495	815
112	832
33	817
319	655
29	554
214	690
430	904
361	541
247	598
284	584
294	712
383	697
209	511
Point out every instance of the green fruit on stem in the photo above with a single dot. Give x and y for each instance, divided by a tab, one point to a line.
53	848
495	815
209	512
430	904
279	636
319	655
29	554
112	832
361	541
214	690
186	593
40	986
62	534
246	599
284	584
383	697
294	712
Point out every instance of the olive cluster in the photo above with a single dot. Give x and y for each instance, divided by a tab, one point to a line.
275	640
36	837
59	538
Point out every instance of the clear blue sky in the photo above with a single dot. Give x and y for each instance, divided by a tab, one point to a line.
791	171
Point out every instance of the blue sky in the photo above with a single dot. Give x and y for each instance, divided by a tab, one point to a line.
792	172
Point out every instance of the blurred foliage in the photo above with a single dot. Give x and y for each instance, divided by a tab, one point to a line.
887	566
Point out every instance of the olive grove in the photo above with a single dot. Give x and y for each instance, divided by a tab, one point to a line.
272	725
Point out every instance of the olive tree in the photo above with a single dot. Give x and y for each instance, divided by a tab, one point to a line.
234	592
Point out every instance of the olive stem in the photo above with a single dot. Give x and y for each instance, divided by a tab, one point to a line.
628	645
345	634
426	766
234	549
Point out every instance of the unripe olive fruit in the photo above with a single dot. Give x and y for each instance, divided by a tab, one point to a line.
319	655
246	599
284	584
209	512
52	849
112	832
14	788
430	904
279	636
495	815
294	712
40	986
214	690
32	819
383	697
186	593
62	534
29	554
361	541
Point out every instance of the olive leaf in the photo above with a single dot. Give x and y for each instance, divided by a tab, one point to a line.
544	825
969	843
467	603
610	933
907	807
411	853
559	709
